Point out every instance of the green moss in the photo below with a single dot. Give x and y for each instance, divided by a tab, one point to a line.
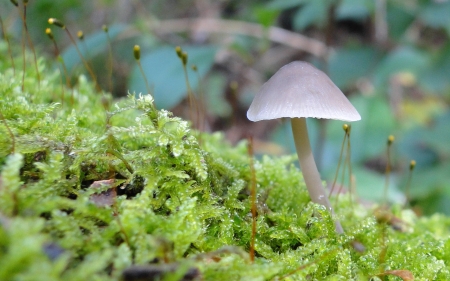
178	199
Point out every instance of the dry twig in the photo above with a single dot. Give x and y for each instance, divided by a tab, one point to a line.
274	34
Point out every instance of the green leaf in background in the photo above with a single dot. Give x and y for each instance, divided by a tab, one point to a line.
438	138
399	18
412	146
266	17
436	14
347	65
283	136
355	9
370	186
313	12
430	180
284	4
436	77
215	101
164	72
404	59
369	135
427	145
436	202
93	45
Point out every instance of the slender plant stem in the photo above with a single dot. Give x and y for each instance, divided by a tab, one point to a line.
89	69
66	74
27	37
342	178
201	116
349	163
62	86
192	103
110	60
338	165
147	86
388	168
9	45
61	60
137	57
24	65
252	198
412	165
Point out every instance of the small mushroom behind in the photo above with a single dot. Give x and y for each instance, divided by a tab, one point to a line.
298	91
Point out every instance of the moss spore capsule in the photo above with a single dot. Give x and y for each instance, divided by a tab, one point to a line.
137	52
184	58
412	165
49	33
80	35
179	51
345	127
391	139
56	22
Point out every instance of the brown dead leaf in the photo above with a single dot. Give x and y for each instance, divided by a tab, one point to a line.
406	275
107	197
386	216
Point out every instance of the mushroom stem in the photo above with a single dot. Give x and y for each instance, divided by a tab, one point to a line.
308	166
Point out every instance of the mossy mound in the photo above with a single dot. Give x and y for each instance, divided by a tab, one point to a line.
95	189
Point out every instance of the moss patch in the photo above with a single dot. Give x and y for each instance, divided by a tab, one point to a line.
107	190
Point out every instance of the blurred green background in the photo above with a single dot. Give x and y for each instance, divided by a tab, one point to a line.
390	57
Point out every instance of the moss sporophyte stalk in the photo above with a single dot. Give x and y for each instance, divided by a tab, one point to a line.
144	197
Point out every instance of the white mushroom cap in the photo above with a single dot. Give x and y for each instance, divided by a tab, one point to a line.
299	89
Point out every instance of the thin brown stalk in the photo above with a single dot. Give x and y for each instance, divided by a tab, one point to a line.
80	36
66	73
62	26
339	161
388	168
252	197
190	96
342	178
110	59
349	164
412	165
89	69
9	45
137	57
192	101
62	88
147	86
23	16
24	65
201	112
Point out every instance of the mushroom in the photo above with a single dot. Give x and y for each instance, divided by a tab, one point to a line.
299	91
